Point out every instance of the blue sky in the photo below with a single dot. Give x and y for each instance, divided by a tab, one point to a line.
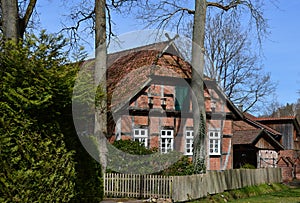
281	50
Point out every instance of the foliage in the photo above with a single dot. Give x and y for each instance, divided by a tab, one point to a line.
35	163
38	140
182	167
248	166
132	147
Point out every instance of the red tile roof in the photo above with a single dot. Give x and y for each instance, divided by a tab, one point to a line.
251	137
128	74
245	136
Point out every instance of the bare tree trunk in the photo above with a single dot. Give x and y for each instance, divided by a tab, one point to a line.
12	24
199	154
100	129
10	18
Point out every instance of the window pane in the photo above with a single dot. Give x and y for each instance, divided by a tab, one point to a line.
142	132
136	132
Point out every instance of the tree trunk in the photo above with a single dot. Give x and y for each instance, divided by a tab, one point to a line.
13	26
10	19
200	151
100	129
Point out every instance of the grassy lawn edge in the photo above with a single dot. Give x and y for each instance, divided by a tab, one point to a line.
245	192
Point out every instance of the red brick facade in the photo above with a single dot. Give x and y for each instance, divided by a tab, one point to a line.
180	123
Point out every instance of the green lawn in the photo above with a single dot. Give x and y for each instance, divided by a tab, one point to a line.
286	196
264	193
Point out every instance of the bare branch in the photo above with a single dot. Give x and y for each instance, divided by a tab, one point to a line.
232	4
29	12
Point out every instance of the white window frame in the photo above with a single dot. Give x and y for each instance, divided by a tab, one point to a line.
141	135
189	141
214	142
166	141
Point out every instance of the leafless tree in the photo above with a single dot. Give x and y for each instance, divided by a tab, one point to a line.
80	21
292	109
233	64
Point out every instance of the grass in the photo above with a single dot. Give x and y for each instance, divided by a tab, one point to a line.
265	193
286	196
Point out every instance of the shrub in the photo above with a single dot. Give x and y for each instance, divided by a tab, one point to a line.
35	163
248	166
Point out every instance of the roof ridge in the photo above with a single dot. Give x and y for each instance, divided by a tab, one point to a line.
275	118
138	48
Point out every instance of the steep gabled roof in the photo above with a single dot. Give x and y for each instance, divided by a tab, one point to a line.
245	136
251	137
248	131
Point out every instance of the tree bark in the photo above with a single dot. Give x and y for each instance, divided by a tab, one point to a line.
10	19
197	85
12	24
100	129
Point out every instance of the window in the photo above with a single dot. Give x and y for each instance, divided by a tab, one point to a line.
182	98
189	139
141	135
166	141
214	137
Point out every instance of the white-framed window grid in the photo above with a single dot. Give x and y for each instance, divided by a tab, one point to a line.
141	135
166	141
189	140
214	142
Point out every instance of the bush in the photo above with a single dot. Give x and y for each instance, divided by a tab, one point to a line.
42	159
132	147
248	166
182	167
35	163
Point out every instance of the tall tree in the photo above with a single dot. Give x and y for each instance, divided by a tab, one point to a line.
13	22
199	151
100	129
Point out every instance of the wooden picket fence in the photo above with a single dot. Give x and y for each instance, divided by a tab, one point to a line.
137	186
184	188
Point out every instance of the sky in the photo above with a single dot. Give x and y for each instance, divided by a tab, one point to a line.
281	51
